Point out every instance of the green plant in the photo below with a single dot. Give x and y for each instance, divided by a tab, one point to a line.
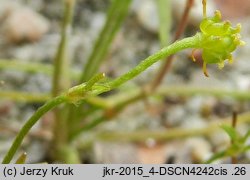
219	40
213	30
237	147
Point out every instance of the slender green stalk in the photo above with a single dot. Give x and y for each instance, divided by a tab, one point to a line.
87	127
190	42
28	67
186	91
61	63
180	29
116	14
120	101
164	12
115	17
91	88
172	133
134	95
61	82
81	91
32	67
29	124
191	91
24	96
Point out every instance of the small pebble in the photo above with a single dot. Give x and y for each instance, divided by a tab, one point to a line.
25	25
220	140
175	115
193	122
200	149
7	7
106	152
147	14
2	83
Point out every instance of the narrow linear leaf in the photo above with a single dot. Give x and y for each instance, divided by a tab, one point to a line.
231	132
246	149
116	15
164	13
247	135
31	67
61	79
216	156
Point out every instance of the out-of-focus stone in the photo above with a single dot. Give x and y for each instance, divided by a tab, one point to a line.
7	7
106	152
24	25
151	155
147	14
220	140
200	149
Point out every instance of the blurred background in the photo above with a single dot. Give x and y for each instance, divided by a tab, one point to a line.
176	125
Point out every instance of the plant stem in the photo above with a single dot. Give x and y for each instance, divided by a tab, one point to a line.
169	134
115	17
61	82
32	67
165	19
29	124
169	60
117	103
128	97
87	127
28	67
134	95
60	78
24	96
80	93
116	14
234	159
190	42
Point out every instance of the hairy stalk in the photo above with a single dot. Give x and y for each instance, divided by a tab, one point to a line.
91	88
116	14
115	17
190	42
169	60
